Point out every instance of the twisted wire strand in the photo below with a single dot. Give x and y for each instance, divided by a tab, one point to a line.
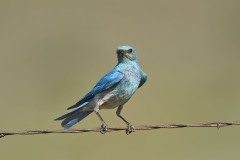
217	125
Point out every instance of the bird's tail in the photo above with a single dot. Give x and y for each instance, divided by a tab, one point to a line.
74	116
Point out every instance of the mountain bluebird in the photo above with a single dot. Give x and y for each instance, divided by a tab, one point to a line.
113	90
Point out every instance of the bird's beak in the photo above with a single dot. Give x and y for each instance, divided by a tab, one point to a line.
122	52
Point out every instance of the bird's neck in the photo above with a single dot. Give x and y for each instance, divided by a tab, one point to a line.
126	61
124	64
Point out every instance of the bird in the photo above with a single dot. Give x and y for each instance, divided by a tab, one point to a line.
112	91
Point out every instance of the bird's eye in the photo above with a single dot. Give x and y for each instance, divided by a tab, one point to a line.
130	50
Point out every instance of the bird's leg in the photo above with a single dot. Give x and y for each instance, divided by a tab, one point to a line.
130	128
104	126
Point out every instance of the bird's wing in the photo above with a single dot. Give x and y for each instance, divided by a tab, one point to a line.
143	79
109	80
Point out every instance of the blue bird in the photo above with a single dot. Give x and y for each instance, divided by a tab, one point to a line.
112	91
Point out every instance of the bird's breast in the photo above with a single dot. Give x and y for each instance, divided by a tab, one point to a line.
122	92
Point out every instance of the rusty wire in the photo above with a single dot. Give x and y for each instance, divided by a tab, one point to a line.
111	129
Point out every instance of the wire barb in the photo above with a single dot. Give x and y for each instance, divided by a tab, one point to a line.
217	125
2	135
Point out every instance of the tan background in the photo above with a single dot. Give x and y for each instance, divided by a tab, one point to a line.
53	52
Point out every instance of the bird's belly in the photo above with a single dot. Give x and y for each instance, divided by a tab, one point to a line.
109	105
111	101
114	97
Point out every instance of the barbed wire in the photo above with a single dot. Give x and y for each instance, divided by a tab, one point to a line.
217	125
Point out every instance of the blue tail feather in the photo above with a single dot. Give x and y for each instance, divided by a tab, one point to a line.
74	118
72	111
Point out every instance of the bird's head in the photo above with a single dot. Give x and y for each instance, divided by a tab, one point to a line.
126	53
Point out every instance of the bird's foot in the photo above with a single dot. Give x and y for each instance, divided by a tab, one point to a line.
104	128
130	129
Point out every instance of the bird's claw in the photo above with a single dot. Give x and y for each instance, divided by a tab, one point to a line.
104	128
130	129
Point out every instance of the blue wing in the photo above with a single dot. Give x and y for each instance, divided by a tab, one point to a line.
109	80
143	79
76	114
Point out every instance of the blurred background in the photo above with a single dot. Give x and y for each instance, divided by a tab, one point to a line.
53	52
